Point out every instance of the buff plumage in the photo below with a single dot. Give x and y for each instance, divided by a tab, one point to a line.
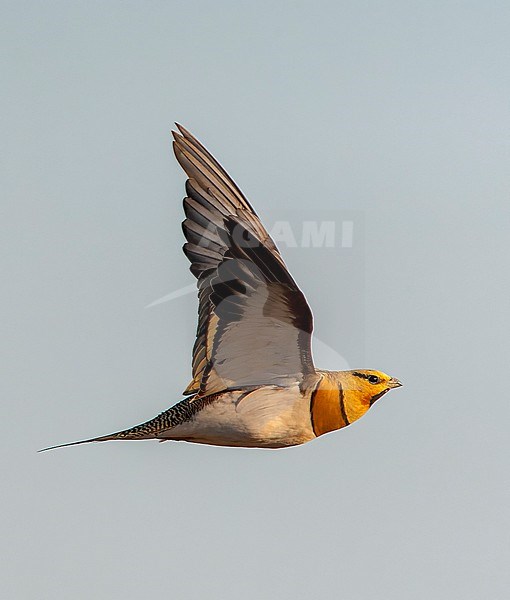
254	383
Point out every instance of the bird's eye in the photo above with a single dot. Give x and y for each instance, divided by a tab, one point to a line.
374	379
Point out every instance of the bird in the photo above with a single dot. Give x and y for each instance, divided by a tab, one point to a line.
254	383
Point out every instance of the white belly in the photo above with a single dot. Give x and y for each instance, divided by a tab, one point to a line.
268	417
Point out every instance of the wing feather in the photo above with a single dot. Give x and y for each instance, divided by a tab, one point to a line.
254	324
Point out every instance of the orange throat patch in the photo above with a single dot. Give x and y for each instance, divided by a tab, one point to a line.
327	406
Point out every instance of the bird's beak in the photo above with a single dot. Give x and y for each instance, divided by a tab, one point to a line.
394	383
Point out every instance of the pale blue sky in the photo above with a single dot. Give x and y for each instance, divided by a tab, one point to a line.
394	114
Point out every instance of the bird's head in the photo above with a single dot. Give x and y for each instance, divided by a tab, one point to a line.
342	397
370	385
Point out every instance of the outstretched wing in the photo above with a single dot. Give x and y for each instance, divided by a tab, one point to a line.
254	324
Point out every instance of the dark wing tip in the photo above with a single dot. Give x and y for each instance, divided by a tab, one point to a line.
179	135
184	132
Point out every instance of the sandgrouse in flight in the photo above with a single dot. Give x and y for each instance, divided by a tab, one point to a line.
254	382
